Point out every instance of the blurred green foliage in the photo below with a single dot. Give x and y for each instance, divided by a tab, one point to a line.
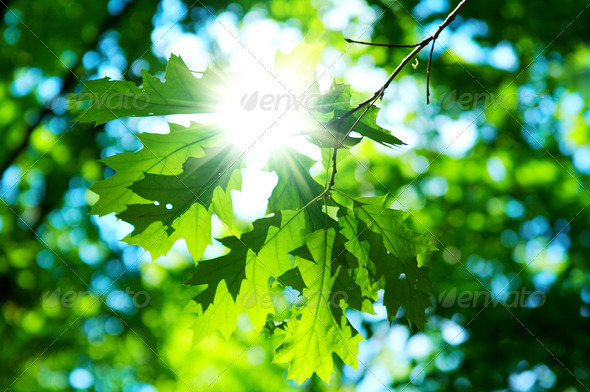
506	201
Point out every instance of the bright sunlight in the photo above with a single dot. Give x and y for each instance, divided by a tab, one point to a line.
263	110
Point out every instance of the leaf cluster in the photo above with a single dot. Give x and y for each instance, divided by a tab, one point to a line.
303	265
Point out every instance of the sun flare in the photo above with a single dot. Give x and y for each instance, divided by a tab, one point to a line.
264	111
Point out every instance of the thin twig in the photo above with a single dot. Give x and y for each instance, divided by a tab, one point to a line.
352	41
408	58
428	73
335	155
334	169
379	93
359	119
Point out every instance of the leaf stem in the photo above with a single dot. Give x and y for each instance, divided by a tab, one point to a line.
344	194
318	197
335	155
321	195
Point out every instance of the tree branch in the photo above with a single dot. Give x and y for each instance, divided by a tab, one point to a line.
379	93
408	58
428	72
335	156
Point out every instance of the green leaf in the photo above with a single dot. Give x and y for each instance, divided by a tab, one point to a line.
228	268
173	196
349	228
338	101
321	329
368	127
161	154
347	290
271	261
296	187
292	278
180	93
399	240
220	316
257	258
409	291
221	280
394	250
222	204
194	226
359	248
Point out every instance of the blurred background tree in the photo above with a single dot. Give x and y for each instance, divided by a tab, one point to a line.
496	170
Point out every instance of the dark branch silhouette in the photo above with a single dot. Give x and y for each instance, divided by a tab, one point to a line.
367	103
